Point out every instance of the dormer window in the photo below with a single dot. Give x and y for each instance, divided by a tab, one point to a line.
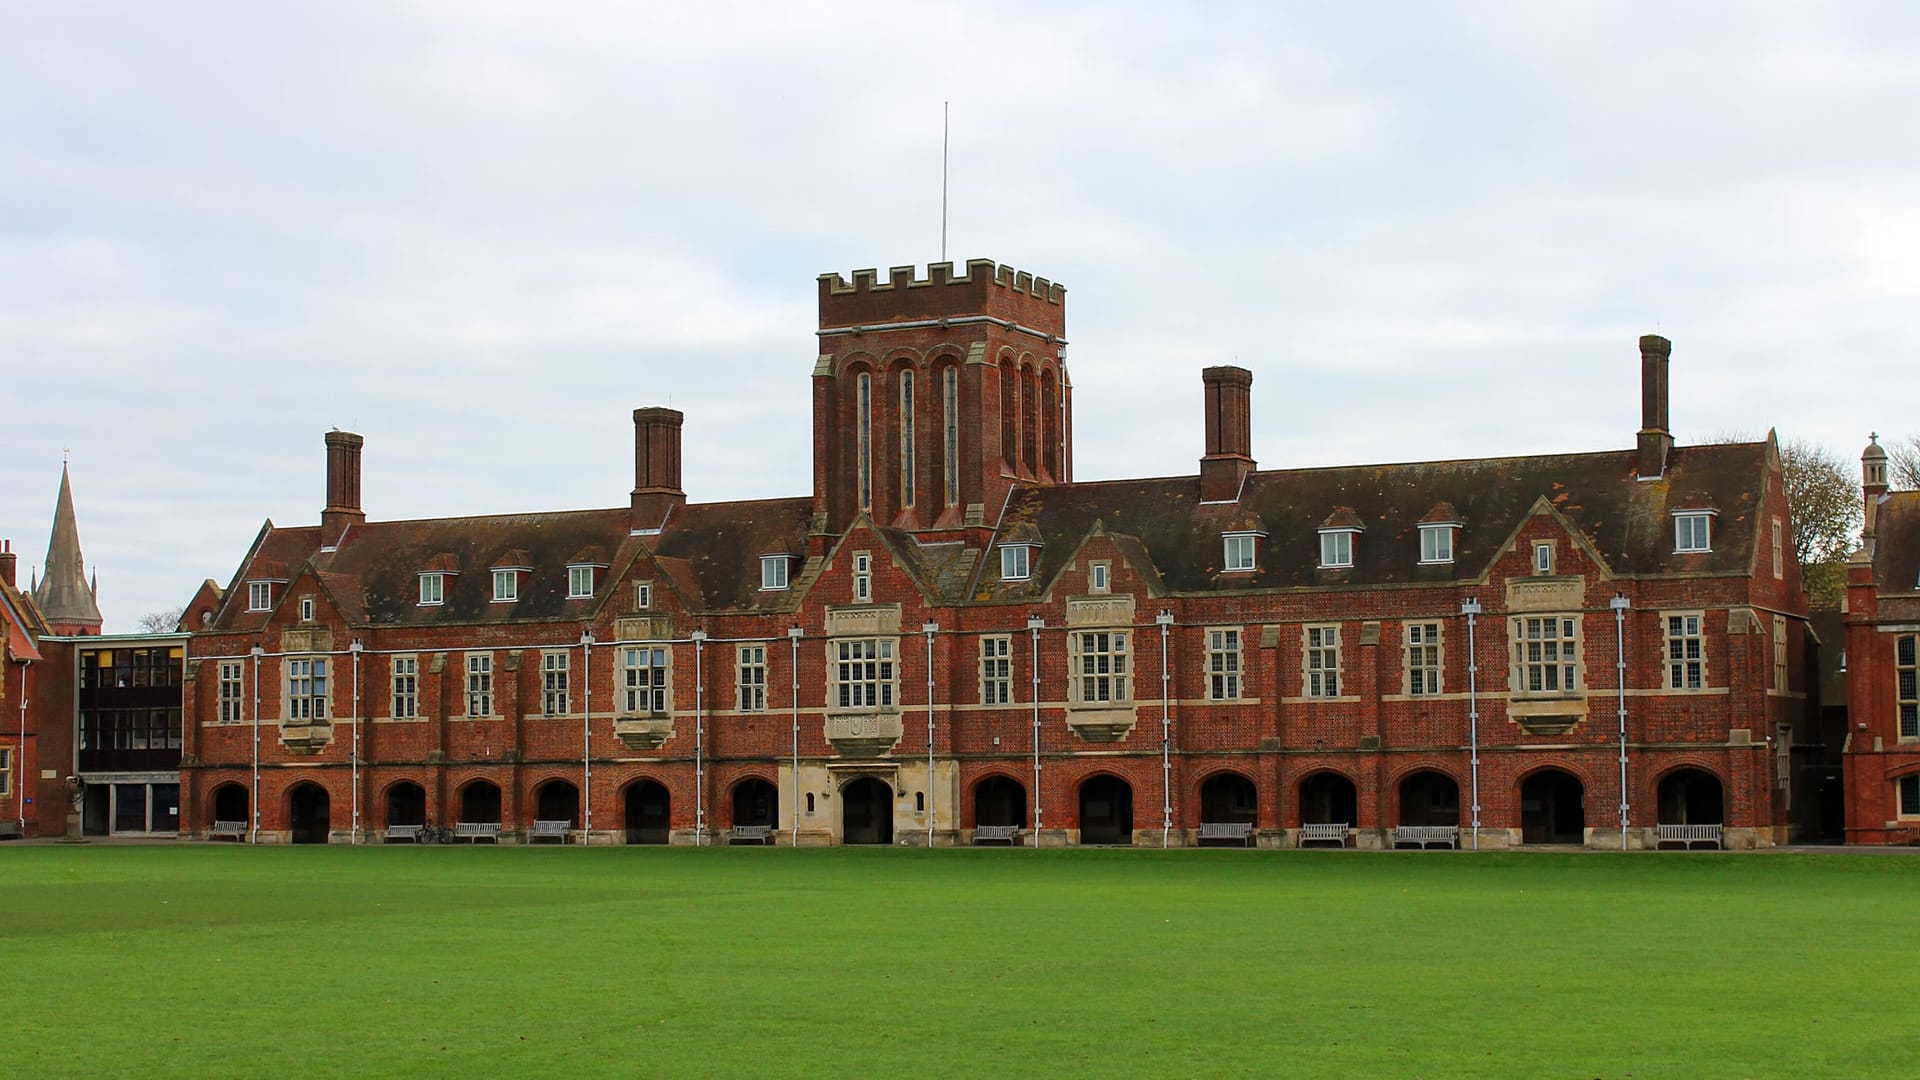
433	589
259	595
774	570
506	586
1436	543
1240	551
580	581
1693	530
1336	547
1016	562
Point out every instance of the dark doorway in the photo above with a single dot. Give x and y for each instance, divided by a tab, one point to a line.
755	802
1690	797
649	810
406	804
1429	798
1552	809
230	804
309	814
557	800
1328	799
1228	798
480	802
96	810
866	806
1000	800
1106	811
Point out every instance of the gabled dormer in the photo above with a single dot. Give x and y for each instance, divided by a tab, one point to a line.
436	578
585	568
1439	528
1340	538
509	572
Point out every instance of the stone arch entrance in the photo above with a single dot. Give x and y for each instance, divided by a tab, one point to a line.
1553	808
1000	800
309	813
1106	811
406	804
1691	797
866	812
649	814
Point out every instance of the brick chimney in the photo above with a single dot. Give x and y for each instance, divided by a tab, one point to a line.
343	487
1229	456
656	466
8	563
1656	439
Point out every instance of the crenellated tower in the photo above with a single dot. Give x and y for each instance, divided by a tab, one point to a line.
933	396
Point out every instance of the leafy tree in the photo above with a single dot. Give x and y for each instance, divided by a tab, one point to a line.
1823	497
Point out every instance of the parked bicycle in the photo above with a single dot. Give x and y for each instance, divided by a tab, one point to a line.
434	834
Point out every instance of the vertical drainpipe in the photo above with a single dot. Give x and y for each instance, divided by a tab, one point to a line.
1165	621
253	825
1471	608
793	638
1034	623
1620	604
699	638
355	649
20	795
929	629
586	736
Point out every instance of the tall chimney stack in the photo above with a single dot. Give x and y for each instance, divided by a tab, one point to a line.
343	487
656	466
1656	439
1229	456
8	563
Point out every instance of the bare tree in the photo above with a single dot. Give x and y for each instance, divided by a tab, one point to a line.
1903	464
161	622
1823	497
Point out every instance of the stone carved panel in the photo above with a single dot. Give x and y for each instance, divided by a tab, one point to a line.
864	734
1100	611
1545	594
863	620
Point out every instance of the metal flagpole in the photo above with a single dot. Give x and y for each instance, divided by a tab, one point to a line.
946	112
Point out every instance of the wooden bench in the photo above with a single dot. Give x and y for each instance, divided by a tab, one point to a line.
477	831
996	834
1687	835
751	834
1320	832
10	829
1426	834
232	830
1240	832
403	832
551	830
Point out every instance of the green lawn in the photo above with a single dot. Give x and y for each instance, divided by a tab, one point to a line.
218	960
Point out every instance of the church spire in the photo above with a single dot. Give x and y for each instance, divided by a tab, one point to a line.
63	596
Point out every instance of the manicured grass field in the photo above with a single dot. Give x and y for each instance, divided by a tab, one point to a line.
217	960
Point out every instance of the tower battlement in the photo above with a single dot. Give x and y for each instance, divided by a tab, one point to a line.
982	288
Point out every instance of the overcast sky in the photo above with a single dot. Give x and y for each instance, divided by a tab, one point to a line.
481	233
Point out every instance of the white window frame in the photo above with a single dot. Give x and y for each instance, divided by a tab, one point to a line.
1547	652
556	677
864	674
1543	557
433	589
231	692
404	677
6	770
1692	531
774	572
1320	660
1016	562
1780	653
307	689
506	586
479	684
306	609
1225	662
1240	552
862	577
996	669
1099	576
1425	658
1101	667
1906	795
643	595
1336	548
1779	551
1436	544
580	584
646	680
752	676
1683	648
259	596
1906	686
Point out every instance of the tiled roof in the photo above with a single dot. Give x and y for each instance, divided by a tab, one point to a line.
1896	545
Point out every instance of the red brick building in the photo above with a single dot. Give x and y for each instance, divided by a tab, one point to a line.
951	640
1882	619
